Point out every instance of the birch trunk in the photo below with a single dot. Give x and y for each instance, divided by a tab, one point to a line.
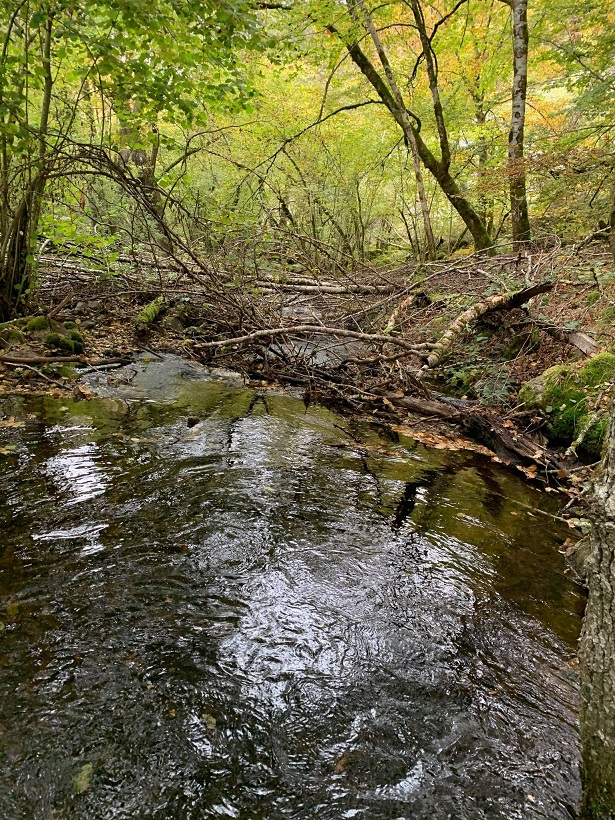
516	163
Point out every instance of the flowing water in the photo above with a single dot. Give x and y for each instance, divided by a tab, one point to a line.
274	614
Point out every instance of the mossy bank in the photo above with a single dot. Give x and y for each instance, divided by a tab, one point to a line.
574	401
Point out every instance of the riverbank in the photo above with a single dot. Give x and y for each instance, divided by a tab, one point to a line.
361	349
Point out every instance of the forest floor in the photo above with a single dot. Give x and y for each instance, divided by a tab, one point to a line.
485	367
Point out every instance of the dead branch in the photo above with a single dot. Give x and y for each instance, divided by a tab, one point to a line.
29	360
482	425
54	311
506	301
392	321
307	329
46	378
582	341
340	290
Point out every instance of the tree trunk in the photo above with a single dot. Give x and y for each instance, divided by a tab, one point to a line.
612	225
438	169
408	130
597	647
17	253
420	186
516	164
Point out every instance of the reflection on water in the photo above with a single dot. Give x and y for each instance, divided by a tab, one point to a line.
259	617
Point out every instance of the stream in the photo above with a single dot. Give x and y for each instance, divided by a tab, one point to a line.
273	613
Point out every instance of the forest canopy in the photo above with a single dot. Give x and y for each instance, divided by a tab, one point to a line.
383	133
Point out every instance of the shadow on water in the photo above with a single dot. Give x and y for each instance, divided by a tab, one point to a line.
263	616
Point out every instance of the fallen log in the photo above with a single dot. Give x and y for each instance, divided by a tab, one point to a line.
336	290
483	425
28	360
506	301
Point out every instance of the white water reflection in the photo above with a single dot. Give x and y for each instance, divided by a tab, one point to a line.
77	473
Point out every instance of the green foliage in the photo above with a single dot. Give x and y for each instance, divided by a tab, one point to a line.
151	312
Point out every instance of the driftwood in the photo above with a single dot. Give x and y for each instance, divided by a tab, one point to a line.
28	360
506	301
482	425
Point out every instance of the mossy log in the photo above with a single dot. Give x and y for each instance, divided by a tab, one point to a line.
151	312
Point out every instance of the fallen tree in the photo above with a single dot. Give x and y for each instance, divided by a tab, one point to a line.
483	425
507	301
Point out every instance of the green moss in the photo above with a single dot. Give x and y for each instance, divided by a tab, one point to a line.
70	325
76	337
62	343
592	297
11	336
564	402
54	340
608	314
151	312
598	371
591	446
529	395
567	395
38	323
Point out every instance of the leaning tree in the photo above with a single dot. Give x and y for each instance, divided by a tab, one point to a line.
71	71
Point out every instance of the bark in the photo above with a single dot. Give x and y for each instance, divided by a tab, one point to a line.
516	163
302	330
576	338
439	169
485	198
18	244
506	301
407	128
17	266
420	186
597	647
482	425
612	225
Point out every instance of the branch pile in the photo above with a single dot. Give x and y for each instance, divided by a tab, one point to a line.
364	337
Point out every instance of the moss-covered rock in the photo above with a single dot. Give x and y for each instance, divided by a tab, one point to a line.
568	397
10	336
72	344
38	323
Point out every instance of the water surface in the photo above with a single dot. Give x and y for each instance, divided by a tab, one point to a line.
266	616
